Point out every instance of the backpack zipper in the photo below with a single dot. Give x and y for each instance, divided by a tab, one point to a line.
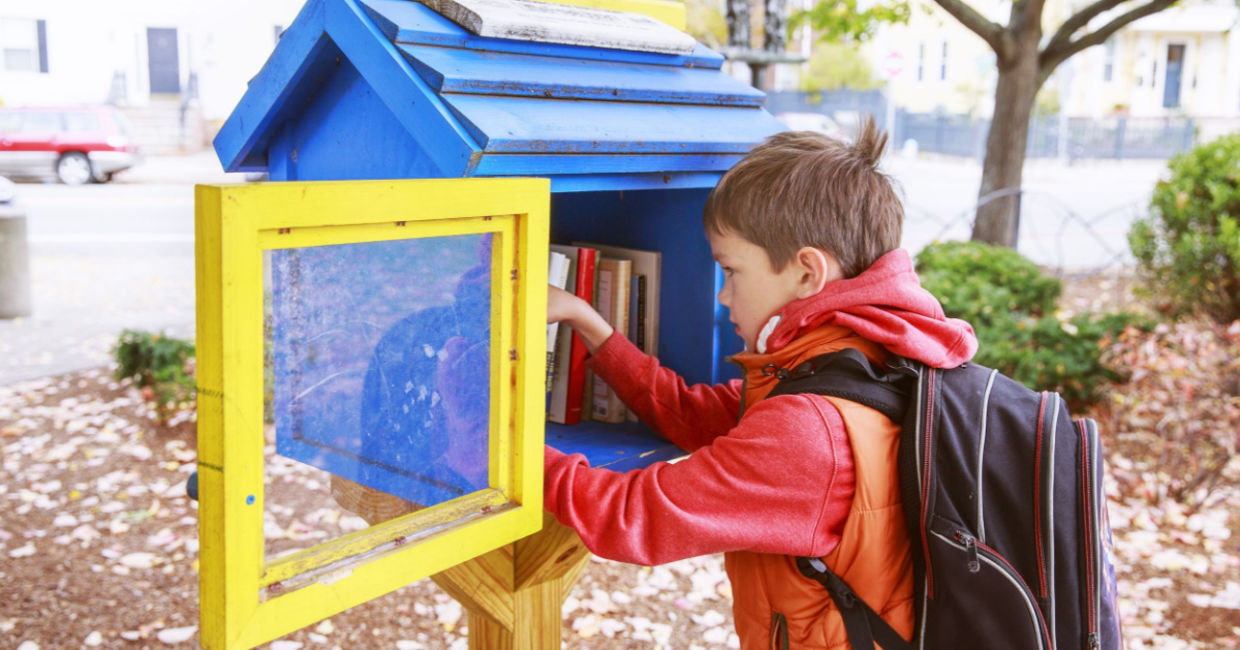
981	450
1092	517
977	552
1048	528
921	452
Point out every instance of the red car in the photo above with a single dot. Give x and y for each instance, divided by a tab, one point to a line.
74	144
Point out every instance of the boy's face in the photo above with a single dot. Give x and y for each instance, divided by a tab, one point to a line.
752	290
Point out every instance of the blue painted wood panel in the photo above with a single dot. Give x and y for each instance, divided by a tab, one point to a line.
409	99
486	73
332	144
669	221
518	124
402	21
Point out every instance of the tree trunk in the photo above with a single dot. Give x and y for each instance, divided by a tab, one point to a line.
998	216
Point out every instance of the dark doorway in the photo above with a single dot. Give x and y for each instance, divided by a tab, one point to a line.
1175	70
161	47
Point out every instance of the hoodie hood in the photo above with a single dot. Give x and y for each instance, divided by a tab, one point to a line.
885	304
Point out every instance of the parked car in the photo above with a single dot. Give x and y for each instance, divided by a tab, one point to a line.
812	122
74	144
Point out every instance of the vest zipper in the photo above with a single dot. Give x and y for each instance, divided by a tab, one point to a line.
779	631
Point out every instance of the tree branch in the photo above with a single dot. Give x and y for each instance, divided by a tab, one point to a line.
990	32
1079	20
1053	55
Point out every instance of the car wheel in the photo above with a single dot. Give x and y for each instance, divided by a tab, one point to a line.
74	168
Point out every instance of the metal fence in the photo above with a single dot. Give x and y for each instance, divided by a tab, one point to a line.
1053	136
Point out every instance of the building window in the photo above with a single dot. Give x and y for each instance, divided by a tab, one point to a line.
943	63
921	61
1108	61
23	44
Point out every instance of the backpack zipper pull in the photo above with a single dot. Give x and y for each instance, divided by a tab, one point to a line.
970	548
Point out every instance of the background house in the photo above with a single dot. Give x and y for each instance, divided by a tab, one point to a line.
176	67
1183	61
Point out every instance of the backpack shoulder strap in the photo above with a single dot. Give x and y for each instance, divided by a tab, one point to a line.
848	374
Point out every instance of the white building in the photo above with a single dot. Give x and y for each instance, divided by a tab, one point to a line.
160	59
1183	61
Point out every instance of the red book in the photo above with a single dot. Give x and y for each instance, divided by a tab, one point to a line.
568	387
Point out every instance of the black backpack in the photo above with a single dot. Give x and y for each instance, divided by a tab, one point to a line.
1003	497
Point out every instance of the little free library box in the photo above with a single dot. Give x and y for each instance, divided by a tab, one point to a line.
377	310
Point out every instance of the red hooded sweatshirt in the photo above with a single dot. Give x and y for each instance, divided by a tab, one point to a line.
777	478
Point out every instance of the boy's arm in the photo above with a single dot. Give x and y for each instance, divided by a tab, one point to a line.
690	417
590	326
780	482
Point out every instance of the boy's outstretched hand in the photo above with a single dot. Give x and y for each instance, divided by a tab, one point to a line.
564	307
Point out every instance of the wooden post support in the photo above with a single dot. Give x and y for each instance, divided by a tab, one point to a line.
515	594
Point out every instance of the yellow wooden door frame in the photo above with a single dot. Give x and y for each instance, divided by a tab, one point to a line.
247	599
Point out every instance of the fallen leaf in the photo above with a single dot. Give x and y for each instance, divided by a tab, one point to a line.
140	560
177	634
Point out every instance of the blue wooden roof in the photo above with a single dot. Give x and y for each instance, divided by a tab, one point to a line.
587	117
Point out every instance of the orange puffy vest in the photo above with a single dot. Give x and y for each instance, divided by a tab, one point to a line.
774	606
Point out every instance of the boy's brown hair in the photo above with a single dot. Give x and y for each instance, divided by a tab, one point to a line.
801	188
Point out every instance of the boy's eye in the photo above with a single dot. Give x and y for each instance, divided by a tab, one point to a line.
727	270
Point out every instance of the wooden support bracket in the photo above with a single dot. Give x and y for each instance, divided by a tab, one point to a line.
515	594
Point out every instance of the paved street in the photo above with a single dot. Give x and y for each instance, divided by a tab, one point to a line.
105	258
115	256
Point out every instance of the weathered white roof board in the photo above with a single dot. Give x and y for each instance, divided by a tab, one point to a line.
545	22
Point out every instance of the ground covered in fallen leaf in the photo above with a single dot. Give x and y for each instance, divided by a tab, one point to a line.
99	544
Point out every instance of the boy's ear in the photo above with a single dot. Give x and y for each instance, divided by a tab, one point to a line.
817	267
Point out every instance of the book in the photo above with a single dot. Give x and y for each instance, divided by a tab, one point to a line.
647	264
569	380
612	303
557	276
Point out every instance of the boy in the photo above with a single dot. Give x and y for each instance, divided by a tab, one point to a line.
806	230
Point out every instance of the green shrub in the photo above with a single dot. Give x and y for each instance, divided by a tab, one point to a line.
1188	247
159	365
1011	304
986	282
